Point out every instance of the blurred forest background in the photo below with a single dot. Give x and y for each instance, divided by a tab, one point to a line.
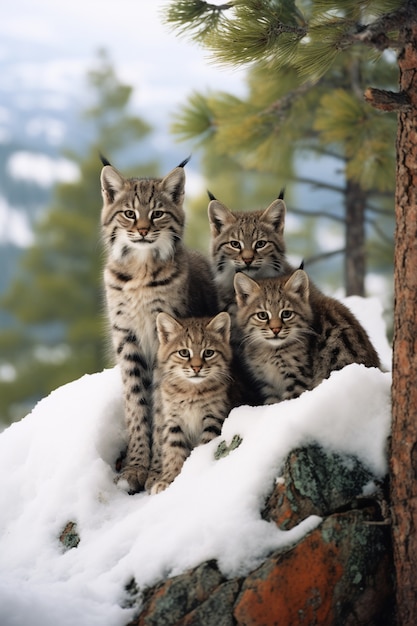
333	154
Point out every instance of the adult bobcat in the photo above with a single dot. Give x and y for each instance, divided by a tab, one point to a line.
148	270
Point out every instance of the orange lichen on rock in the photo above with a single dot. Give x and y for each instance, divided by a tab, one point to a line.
295	588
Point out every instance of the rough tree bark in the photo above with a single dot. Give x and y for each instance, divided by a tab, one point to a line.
355	203
404	387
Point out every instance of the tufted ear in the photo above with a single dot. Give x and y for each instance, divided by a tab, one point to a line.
298	284
245	287
275	215
174	184
221	325
112	182
166	326
219	217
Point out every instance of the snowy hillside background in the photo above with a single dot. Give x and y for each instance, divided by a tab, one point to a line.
56	466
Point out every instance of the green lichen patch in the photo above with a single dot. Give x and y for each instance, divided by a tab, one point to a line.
223	449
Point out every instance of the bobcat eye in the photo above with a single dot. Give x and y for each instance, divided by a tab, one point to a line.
130	214
262	315
157	214
207	354
260	244
286	314
184	353
235	244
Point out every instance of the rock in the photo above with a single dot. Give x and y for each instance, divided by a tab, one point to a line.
339	574
187	599
316	482
69	536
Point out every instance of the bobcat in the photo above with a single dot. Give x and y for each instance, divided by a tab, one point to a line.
192	390
148	270
293	336
251	242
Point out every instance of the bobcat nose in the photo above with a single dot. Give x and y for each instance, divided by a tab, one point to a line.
143	231
196	365
247	259
275	326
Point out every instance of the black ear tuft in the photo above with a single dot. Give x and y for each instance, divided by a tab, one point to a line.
301	265
281	194
210	195
184	163
104	160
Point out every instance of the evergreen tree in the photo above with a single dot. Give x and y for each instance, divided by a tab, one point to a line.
313	36
286	117
56	299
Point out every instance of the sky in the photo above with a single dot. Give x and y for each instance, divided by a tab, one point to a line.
52	42
57	466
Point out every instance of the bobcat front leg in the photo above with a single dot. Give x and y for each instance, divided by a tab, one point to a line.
137	382
156	463
212	427
174	450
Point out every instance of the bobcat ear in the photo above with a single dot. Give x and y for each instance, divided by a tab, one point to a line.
112	182
174	184
221	325
298	284
275	215
219	216
166	327
244	288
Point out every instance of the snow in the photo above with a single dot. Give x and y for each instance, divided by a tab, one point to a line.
56	466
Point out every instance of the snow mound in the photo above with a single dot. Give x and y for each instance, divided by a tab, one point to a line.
56	466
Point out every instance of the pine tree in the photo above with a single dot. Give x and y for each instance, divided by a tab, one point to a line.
285	117
313	36
56	299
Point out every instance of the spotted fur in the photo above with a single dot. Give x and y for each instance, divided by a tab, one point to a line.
293	336
192	391
148	270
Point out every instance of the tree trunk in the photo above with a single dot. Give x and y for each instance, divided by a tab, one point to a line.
355	201
403	460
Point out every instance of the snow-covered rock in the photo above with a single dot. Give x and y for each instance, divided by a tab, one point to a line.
57	465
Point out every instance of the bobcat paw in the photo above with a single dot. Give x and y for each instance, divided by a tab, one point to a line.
151	480
159	486
131	479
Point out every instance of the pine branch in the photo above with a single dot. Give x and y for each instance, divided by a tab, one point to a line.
374	224
197	17
318	214
322	256
379	211
375	34
304	180
284	104
388	100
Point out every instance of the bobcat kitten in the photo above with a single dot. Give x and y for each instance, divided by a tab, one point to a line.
293	336
251	242
148	270
192	391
